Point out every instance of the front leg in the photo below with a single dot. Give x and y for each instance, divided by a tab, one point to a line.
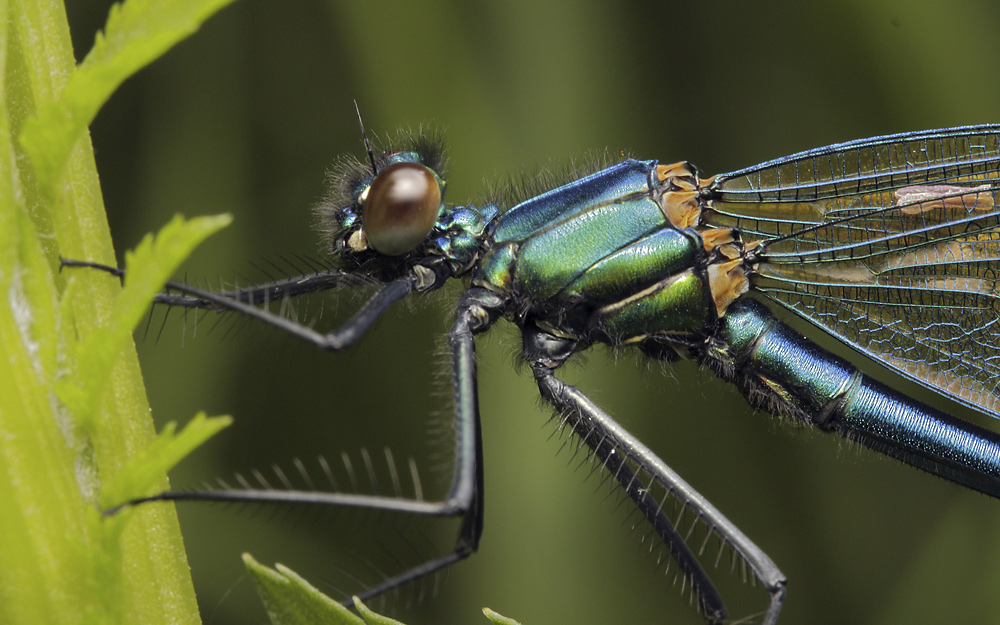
252	301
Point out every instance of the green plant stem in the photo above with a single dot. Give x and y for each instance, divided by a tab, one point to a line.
61	560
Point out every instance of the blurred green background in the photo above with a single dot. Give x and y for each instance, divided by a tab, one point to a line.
245	117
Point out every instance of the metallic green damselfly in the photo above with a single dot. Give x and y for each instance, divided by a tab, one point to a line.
890	244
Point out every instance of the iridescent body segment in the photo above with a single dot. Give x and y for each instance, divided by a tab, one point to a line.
600	259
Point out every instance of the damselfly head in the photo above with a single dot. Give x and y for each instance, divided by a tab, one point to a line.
385	211
400	205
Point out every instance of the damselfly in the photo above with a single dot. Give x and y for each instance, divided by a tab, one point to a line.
890	244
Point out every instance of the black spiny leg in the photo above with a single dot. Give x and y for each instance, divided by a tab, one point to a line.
615	447
477	311
245	301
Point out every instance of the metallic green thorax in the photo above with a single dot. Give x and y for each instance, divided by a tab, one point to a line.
598	260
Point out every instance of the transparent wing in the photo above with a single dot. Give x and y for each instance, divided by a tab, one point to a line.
892	244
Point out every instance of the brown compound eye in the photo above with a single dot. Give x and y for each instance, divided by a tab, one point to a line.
401	208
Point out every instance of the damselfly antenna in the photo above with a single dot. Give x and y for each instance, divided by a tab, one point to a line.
364	136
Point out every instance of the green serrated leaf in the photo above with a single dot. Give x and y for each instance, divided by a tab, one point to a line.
498	618
137	32
147	268
370	617
145	470
154	260
291	600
